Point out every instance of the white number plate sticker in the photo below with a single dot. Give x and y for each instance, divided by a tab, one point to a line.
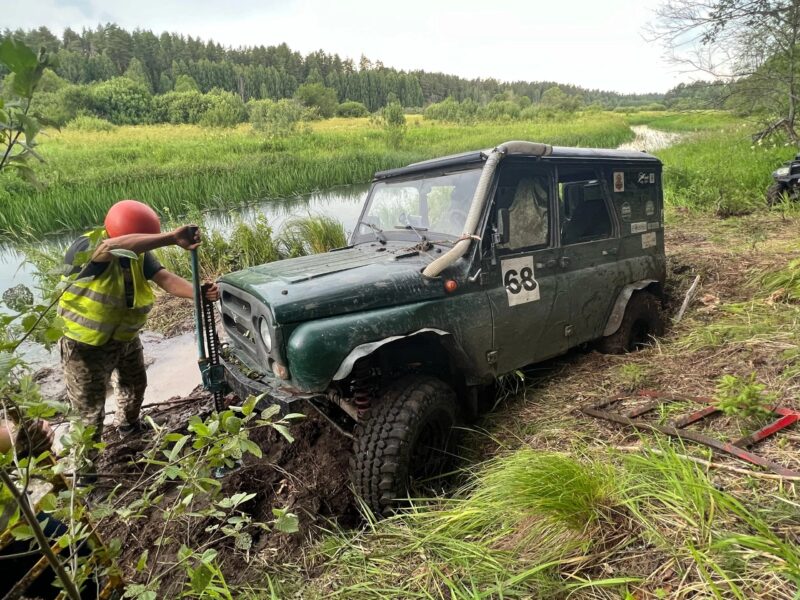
519	280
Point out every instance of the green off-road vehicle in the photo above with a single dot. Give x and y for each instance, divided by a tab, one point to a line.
459	270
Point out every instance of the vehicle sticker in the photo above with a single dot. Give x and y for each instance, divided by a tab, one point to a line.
654	225
625	209
652	177
649	208
644	178
649	240
519	280
640	227
619	181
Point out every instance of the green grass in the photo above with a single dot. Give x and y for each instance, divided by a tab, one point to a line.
536	524
721	171
687	122
177	168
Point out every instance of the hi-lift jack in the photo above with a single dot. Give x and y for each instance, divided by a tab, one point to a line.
211	370
740	448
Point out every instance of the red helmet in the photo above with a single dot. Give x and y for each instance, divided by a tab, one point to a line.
131	216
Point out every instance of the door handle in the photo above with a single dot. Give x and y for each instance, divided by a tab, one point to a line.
609	252
564	261
548	264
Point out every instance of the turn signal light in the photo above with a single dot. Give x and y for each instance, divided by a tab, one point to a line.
450	285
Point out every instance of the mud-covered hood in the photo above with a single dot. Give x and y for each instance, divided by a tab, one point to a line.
343	281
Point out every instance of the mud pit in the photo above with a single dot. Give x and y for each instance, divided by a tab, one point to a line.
309	477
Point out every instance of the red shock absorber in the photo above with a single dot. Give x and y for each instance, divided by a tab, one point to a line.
363	387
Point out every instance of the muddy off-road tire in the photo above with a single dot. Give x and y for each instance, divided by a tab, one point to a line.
775	194
406	438
642	321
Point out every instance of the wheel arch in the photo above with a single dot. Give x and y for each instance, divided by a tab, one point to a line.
618	312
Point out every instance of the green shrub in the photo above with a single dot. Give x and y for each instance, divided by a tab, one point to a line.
319	97
180	107
64	104
351	109
90	123
743	397
121	101
226	109
276	119
311	235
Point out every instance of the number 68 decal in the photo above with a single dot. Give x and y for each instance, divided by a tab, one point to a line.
519	280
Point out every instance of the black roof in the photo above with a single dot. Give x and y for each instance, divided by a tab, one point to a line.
555	153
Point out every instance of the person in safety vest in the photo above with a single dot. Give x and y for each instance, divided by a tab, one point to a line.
106	306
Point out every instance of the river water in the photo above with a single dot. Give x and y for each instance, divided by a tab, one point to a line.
341	203
172	368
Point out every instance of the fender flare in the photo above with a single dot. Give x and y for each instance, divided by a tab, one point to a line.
615	319
362	350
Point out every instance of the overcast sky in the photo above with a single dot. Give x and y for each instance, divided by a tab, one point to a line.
592	43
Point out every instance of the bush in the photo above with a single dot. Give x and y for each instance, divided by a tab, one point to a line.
351	109
319	97
64	104
226	109
393	121
180	107
276	119
90	123
121	101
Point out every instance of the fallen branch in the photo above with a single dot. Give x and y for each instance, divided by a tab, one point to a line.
712	465
687	299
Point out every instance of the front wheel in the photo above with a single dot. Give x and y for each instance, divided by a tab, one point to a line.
406	439
775	193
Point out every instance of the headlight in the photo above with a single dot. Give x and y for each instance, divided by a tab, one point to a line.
782	171
266	335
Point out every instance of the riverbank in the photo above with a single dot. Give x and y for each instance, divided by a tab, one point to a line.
180	168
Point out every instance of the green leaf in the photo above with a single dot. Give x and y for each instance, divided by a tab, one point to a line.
284	431
142	562
286	522
201	577
252	448
270	412
125	253
233	424
52	334
176	449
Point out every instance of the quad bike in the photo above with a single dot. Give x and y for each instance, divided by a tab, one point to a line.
787	182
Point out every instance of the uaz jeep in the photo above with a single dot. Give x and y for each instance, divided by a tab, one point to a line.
459	269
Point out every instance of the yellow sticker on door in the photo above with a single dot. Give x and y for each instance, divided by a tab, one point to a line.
519	280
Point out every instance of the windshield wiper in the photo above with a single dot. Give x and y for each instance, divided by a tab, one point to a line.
421	237
377	230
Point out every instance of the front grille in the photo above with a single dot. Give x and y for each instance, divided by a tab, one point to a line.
239	323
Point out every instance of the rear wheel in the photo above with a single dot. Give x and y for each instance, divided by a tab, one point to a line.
775	193
406	440
642	321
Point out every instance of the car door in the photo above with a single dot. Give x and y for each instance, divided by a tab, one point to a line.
527	310
590	241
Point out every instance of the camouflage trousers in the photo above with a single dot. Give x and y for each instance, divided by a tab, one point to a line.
87	372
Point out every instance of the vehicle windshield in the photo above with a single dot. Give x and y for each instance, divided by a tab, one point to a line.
433	207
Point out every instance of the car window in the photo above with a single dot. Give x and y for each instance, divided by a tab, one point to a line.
526	196
584	212
435	203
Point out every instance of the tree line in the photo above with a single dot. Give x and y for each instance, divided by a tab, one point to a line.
158	62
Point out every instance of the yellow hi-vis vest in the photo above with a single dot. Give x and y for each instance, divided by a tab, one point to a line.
95	310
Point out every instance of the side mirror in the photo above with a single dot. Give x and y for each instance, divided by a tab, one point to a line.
503	233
